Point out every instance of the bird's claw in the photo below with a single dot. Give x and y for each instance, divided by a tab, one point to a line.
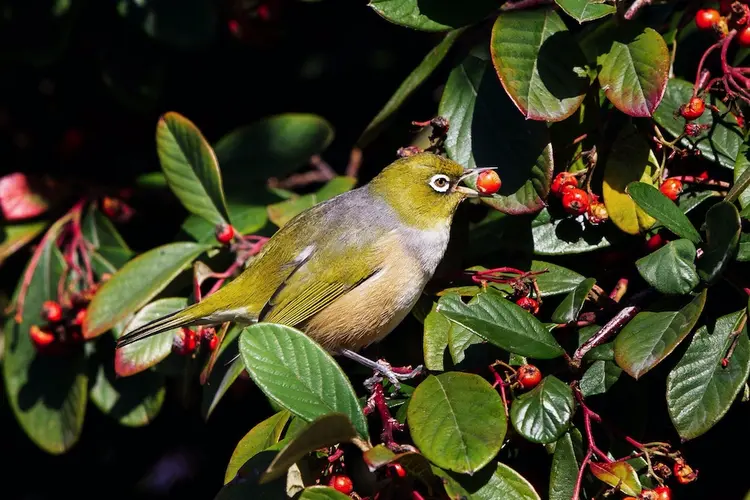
394	376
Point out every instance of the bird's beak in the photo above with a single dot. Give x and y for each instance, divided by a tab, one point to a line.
467	191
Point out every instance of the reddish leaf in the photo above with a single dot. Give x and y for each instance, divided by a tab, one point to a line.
19	199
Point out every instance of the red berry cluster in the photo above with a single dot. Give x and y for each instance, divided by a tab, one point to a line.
187	341
63	325
658	493
116	208
576	201
734	15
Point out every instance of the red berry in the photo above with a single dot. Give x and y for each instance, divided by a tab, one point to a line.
671	188
51	311
663	493
40	338
342	484
488	182
185	342
575	201
655	242
111	206
224	233
561	181
684	473
211	338
743	37
706	18
597	213
528	376
693	109
80	316
529	304
398	469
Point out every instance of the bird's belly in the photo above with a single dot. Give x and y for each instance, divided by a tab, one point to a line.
369	312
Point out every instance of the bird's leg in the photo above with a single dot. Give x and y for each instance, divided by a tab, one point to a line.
384	369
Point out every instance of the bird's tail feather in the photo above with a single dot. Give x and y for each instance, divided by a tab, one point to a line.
189	316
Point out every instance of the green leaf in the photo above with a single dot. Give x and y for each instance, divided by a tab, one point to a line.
486	129
187	25
539	63
630	159
604	352
723	227
557	280
226	370
457	421
617	474
297	373
586	10
503	323
284	211
720	143
322	493
139	356
661	208
106	240
543	414
133	401
571	305
256	440
652	335
599	378
495	481
564	470
635	71
743	248
432	15
139	281
327	430
436	335
700	390
47	393
191	168
741	177
670	269
412	82
13	237
274	146
567	235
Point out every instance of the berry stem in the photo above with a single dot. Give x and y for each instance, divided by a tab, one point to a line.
499	382
579	478
390	424
692	179
735	336
701	63
635	7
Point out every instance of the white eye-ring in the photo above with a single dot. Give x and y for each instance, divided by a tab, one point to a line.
440	183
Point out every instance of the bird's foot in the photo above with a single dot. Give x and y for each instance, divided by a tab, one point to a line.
383	369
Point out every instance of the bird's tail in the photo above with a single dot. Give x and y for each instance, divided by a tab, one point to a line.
192	315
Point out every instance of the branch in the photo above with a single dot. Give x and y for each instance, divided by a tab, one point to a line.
635	7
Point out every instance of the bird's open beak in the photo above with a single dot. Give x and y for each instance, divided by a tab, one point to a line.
467	191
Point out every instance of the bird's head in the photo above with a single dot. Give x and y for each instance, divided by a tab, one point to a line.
424	189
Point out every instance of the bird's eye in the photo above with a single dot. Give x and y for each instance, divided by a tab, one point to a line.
440	183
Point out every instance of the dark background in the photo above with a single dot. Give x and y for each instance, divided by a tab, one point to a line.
337	58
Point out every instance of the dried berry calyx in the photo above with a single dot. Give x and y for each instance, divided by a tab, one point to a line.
528	376
683	472
597	213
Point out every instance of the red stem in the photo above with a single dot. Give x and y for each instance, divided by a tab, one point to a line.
377	401
700	66
579	478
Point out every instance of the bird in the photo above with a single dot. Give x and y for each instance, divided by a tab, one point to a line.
348	270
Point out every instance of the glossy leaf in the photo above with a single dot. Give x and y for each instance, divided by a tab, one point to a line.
487	129
539	63
284	211
297	373
599	378
556	280
635	71
723	227
13	237
564	469
46	393
435	340
322	493
741	173
141	355
630	159
617	474
567	235
133	286
586	10
227	368
543	414
497	480
652	335
503	323
670	269
105	238
743	248
432	15
700	390
274	146
327	430
571	305
653	202
720	143
191	168
256	440
457	421
134	401
412	82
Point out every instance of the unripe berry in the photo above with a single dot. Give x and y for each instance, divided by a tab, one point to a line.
706	18
693	109
561	181
671	188
51	311
575	201
341	483
597	213
529	304
488	182
224	233
528	376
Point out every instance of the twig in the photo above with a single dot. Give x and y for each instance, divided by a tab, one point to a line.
635	7
692	179
355	162
376	401
736	337
524	4
579	478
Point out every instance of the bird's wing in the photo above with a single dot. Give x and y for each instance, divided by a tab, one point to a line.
314	283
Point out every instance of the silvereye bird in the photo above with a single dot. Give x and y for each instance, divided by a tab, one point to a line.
347	270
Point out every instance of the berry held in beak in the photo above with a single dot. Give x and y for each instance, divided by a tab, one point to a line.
467	191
